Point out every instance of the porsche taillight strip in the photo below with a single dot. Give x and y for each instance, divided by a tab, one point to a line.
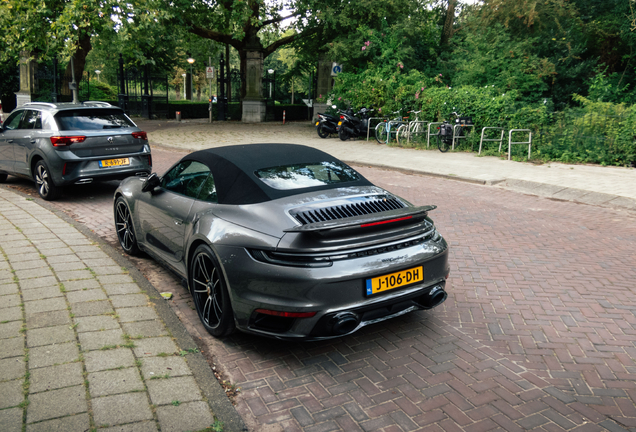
386	221
326	260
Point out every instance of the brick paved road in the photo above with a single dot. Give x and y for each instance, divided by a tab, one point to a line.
538	331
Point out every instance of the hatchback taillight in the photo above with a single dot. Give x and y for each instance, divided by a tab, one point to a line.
141	135
59	141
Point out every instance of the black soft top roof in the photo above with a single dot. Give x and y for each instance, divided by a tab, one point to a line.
233	169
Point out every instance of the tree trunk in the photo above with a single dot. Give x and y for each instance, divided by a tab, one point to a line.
79	58
447	32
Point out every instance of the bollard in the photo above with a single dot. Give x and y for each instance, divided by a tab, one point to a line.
283	116
178	114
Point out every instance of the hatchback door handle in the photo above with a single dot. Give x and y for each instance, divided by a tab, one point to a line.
9	141
32	141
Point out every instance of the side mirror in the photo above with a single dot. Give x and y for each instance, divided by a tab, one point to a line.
151	182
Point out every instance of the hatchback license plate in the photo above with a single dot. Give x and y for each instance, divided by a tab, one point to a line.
113	162
394	280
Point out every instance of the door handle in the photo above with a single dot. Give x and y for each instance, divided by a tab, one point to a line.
32	141
178	222
9	141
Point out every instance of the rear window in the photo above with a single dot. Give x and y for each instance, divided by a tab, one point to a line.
299	176
97	119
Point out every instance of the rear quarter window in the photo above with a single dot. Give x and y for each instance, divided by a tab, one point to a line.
97	119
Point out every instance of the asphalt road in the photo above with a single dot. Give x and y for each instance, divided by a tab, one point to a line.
538	331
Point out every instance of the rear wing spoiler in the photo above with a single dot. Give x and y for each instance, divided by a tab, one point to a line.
387	217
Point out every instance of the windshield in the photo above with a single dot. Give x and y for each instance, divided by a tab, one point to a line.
97	119
299	176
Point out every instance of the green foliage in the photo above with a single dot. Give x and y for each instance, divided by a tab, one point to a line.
99	91
597	132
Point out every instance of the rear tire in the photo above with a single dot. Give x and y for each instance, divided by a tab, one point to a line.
3	178
44	183
380	133
442	143
210	293
322	133
342	134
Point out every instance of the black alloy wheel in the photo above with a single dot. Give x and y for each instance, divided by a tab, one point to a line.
44	183
210	293
124	228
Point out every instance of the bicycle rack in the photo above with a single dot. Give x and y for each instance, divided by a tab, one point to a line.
369	124
491	139
428	134
409	125
510	143
455	137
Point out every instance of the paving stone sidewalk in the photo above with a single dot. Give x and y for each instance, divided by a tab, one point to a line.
84	345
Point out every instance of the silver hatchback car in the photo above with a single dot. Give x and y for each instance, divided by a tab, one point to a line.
59	144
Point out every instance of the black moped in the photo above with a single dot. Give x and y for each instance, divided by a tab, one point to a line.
326	125
353	125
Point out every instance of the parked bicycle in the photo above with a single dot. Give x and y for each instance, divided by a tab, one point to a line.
447	134
387	130
411	131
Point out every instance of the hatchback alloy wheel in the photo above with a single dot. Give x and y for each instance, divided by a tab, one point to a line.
44	183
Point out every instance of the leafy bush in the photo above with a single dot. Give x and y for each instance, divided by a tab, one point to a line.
595	132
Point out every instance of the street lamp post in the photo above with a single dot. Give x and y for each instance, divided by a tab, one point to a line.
184	86
191	61
97	72
272	72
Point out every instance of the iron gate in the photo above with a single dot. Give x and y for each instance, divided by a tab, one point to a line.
142	93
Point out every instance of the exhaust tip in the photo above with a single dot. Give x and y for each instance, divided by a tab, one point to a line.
344	323
434	297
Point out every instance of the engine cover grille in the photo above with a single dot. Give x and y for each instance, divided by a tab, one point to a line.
356	208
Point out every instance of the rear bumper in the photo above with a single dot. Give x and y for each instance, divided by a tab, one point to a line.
81	171
337	293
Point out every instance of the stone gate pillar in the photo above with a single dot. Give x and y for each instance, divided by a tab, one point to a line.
253	103
323	86
27	79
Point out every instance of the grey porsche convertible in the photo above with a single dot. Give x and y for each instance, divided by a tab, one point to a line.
284	241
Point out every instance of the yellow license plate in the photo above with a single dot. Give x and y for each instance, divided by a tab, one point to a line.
339	123
317	123
114	162
394	280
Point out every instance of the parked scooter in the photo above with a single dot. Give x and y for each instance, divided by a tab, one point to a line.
326	124
352	126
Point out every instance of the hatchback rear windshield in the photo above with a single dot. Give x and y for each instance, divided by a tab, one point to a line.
97	119
299	176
